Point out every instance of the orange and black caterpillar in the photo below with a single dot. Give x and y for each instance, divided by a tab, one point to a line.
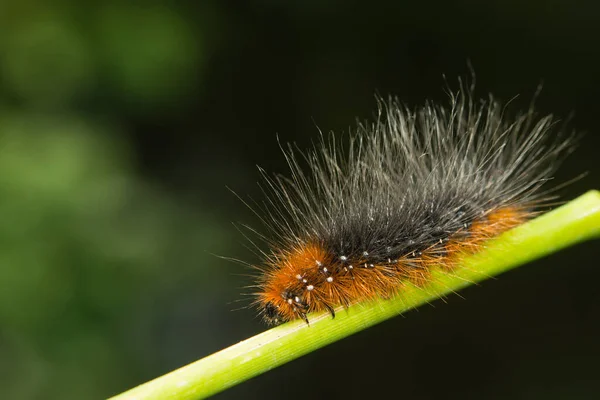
408	192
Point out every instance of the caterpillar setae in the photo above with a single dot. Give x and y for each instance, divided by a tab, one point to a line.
411	191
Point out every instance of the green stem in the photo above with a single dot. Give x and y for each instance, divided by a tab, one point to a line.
572	223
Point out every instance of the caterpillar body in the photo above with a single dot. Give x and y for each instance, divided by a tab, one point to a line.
409	192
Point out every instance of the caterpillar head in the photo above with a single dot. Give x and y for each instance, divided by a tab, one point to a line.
286	306
271	314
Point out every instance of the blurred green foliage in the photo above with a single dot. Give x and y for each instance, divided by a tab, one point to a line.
55	54
149	52
82	243
87	245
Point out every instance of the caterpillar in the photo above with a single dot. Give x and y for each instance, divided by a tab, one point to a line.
408	192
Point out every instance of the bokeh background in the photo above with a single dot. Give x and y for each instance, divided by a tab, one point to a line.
123	123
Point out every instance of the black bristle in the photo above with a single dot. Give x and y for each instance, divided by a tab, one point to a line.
411	178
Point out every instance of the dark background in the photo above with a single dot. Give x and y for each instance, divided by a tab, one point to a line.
122	123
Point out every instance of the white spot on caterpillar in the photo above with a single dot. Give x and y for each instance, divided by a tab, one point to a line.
304	281
325	269
298	276
365	253
330	279
343	258
310	287
297	299
290	301
350	267
319	264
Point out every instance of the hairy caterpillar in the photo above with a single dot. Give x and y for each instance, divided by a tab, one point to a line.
409	192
